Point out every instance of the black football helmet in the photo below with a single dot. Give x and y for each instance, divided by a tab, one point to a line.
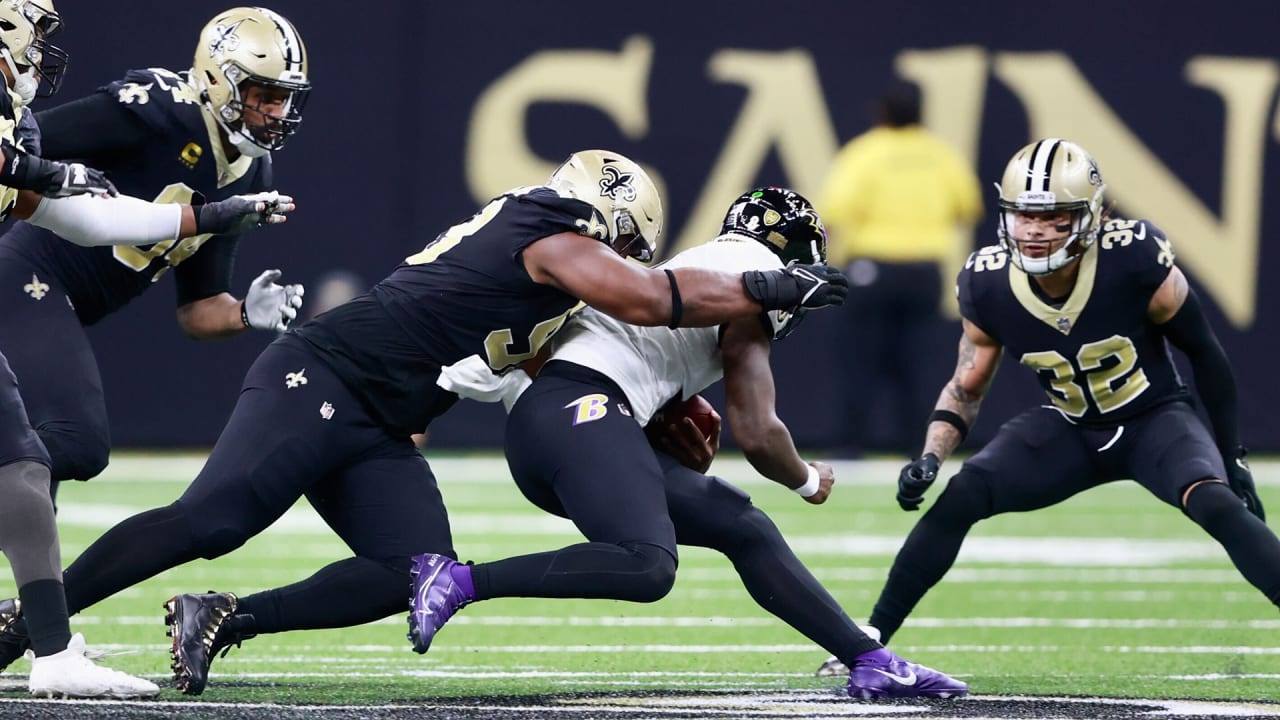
786	223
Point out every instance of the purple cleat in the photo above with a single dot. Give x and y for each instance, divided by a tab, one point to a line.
441	587
881	674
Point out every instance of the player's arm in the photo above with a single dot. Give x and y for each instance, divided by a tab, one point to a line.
977	360
208	311
686	297
90	220
1175	307
750	395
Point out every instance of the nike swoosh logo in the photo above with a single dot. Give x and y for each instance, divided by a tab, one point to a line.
908	679
1240	463
1142	232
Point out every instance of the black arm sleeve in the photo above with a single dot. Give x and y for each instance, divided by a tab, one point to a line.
91	128
208	272
1215	383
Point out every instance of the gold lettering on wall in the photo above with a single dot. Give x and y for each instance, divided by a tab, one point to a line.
784	109
498	156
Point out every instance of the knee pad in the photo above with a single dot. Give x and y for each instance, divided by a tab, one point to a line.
81	454
214	534
965	501
656	572
1213	506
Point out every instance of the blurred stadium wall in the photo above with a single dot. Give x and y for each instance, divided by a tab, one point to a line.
422	109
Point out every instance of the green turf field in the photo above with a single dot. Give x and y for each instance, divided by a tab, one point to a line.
1110	594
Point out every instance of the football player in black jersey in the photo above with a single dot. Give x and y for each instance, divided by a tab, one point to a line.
1088	304
164	136
79	203
327	410
576	449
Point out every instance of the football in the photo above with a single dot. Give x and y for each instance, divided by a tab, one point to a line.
696	409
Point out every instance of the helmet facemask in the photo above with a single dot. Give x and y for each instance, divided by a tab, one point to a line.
1081	232
278	122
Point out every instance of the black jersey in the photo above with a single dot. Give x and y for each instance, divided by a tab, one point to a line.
181	154
1098	356
466	293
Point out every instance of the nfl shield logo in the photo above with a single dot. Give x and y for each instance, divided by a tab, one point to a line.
1064	324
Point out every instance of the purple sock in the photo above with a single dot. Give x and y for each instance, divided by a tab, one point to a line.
461	575
879	656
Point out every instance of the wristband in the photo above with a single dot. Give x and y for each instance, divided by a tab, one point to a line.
244	314
810	486
951	419
677	305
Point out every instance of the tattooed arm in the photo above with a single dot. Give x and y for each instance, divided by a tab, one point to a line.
976	364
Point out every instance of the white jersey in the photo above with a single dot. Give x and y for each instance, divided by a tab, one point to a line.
652	364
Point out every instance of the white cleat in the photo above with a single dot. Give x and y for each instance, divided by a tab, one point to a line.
833	667
71	674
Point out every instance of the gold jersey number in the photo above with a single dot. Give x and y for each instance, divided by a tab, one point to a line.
498	345
1110	387
173	251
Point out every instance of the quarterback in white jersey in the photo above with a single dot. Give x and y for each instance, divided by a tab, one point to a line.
576	448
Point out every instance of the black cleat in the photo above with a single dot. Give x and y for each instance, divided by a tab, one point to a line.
13	632
201	626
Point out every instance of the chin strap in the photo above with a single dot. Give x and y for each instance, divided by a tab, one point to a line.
26	84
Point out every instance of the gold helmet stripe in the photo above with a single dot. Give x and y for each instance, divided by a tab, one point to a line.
1042	163
293	47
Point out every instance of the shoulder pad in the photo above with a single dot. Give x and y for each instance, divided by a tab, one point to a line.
1139	240
159	97
991	257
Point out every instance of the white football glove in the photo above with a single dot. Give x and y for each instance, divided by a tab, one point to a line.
268	305
471	378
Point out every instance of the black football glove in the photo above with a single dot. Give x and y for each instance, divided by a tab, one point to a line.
797	286
241	212
50	178
915	478
1240	479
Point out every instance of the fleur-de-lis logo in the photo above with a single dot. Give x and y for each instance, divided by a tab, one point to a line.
225	38
294	379
35	288
592	228
617	184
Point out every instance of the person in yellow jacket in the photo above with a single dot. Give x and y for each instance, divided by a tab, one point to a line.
896	201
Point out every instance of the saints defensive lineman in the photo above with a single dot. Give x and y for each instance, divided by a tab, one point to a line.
576	448
167	136
327	410
1087	305
77	201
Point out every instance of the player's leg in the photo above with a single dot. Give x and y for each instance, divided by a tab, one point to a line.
709	512
1172	454
386	507
569	433
29	538
64	399
1037	459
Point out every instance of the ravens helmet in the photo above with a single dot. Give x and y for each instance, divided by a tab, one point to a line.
781	220
622	192
252	46
1051	176
25	28
786	223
